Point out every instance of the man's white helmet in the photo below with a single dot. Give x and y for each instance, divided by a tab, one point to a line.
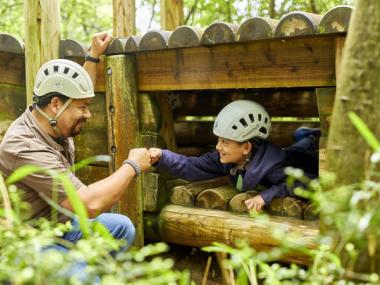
242	120
65	77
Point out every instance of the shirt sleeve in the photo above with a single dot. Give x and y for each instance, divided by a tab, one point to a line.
206	166
42	182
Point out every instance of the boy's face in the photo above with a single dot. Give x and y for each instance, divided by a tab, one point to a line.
232	151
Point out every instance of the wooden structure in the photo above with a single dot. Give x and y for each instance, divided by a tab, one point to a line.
164	88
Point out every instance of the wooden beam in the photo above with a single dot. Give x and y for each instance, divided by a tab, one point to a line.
307	61
42	20
200	227
216	198
124	18
171	15
123	131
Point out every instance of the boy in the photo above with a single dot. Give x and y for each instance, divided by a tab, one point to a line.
243	153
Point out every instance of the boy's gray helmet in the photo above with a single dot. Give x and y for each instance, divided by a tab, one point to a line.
242	120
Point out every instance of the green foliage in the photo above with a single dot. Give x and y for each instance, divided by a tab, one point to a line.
28	248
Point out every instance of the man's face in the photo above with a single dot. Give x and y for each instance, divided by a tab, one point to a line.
72	119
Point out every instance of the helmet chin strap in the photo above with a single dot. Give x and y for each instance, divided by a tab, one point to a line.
54	121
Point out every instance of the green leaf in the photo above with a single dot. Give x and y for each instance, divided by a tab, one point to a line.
23	171
364	131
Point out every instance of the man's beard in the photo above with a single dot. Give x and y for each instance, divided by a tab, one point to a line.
75	130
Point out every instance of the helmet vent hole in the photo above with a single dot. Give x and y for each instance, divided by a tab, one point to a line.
266	120
263	130
243	122
234	127
66	70
260	117
55	68
46	71
75	75
252	118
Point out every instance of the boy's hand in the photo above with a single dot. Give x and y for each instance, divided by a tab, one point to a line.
141	157
255	203
99	44
155	154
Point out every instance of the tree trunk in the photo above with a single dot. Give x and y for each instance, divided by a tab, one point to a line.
272	9
171	14
358	91
124	18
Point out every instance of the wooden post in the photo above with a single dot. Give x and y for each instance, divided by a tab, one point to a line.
171	14
41	38
124	18
123	130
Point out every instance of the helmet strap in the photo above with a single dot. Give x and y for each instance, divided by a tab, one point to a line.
54	121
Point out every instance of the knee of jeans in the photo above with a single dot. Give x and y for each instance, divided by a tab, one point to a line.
120	226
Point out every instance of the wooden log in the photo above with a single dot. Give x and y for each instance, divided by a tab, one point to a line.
199	133
336	20
11	44
171	183
201	227
155	194
256	28
154	40
124	18
185	36
273	63
132	44
98	112
325	99
310	213
116	46
185	195
12	69
285	207
150	115
123	131
72	48
216	198
237	202
295	102
218	33
41	38
297	23
91	174
171	14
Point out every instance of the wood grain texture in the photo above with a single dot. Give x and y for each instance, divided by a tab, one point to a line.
216	198
185	36
11	44
293	62
200	227
218	33
297	23
124	18
256	28
336	20
12	69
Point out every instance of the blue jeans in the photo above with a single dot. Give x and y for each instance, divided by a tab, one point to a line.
118	225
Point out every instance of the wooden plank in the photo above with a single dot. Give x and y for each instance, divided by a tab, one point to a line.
200	227
293	62
12	68
155	194
90	142
91	174
199	133
295	102
12	101
123	131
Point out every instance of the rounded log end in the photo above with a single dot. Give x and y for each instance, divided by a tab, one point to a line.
218	33
132	43
71	48
297	23
336	20
210	199
237	202
185	36
311	213
116	46
256	28
154	40
9	43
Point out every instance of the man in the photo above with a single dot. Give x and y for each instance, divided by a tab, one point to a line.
42	136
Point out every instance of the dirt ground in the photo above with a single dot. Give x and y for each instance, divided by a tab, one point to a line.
195	260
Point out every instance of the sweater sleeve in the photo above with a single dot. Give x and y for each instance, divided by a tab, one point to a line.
206	166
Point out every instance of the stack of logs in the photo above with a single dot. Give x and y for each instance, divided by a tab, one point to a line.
219	194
